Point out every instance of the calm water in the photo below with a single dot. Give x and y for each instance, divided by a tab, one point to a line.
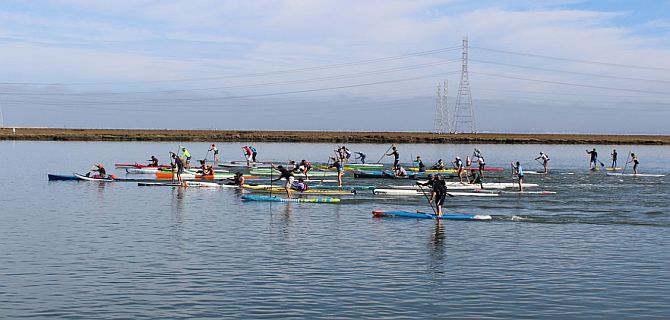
597	249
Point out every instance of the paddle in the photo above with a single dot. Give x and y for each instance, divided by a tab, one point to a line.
427	199
384	154
625	165
272	168
207	154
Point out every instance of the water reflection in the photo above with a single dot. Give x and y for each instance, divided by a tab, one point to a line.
178	203
436	249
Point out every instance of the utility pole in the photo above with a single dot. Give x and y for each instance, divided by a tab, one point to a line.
464	113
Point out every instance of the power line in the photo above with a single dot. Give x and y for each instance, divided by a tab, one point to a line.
570	84
267	84
576	60
571	72
323	67
279	93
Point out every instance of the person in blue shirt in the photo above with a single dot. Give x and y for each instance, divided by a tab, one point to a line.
518	170
340	170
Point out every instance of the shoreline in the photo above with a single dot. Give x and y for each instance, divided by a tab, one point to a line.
60	134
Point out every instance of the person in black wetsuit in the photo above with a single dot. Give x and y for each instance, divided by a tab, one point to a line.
614	156
179	164
153	161
396	156
594	159
439	192
100	169
438	166
635	161
362	156
286	174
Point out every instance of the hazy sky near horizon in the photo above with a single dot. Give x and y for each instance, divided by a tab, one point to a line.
534	66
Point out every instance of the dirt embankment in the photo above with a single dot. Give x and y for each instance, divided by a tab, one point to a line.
56	134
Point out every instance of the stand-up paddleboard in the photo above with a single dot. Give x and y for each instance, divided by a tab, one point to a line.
151	170
138	166
618	174
159	184
543	193
278	199
402	192
613	169
423	215
308	191
312	174
62	177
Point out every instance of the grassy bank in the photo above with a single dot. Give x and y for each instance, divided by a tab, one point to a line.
55	134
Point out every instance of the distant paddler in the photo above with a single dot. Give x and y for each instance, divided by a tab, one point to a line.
476	178
203	166
208	170
179	164
248	154
458	164
286	174
635	161
361	156
237	180
614	155
187	156
399	171
518	171
593	163
419	164
100	169
305	167
253	153
153	162
299	185
438	192
215	150
477	154
439	165
396	156
545	161
340	169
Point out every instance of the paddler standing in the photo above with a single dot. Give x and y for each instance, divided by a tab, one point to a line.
477	154
340	170
180	167
614	156
305	167
635	161
458	163
361	156
439	192
593	163
545	160
518	170
286	174
247	154
396	156
216	152
253	153
187	156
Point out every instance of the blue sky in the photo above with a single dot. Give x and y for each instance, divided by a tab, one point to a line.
535	66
